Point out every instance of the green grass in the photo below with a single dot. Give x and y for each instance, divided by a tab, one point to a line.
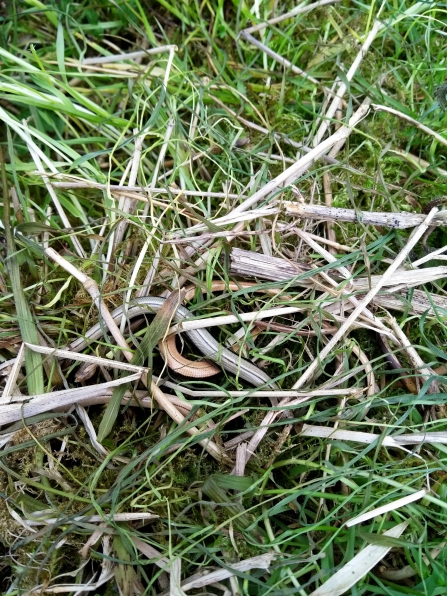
204	115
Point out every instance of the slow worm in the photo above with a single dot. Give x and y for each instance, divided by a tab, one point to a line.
201	338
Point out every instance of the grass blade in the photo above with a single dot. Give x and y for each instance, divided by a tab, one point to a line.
154	333
28	330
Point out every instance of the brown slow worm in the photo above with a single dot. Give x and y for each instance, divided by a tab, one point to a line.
202	369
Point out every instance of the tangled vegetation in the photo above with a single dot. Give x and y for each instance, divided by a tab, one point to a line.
240	159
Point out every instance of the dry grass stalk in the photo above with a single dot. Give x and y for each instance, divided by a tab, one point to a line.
398	441
128	55
411	121
288	15
249	264
426	372
228	319
36	404
303	164
398	221
346	274
202	580
342	88
386	508
358	566
10	384
141	192
35	155
198	393
68	354
115	517
127	205
92	288
283	61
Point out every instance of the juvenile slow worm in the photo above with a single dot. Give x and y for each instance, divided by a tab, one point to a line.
201	369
